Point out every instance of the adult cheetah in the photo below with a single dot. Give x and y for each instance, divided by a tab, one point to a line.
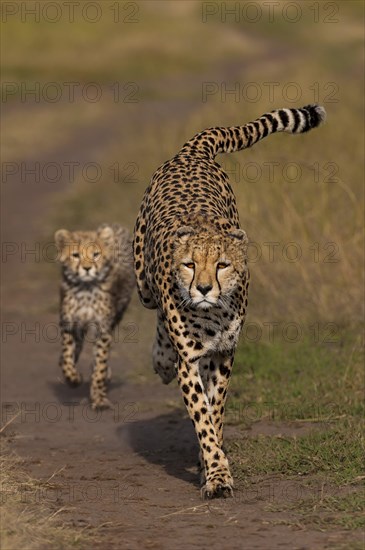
191	265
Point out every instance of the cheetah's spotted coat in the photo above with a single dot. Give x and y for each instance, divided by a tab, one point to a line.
191	264
97	283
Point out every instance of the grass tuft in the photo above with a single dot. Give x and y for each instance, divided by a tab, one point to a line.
31	526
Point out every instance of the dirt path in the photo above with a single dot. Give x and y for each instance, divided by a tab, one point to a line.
130	471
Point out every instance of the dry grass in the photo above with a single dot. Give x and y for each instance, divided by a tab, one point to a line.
25	521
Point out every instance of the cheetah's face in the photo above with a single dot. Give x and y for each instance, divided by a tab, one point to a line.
86	256
209	267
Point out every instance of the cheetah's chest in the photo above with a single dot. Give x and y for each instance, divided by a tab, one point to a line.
216	333
226	337
87	306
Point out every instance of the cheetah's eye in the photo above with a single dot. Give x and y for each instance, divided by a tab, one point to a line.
75	255
96	254
190	265
222	265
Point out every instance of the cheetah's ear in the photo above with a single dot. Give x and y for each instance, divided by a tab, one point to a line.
63	240
62	237
105	232
184	232
240	235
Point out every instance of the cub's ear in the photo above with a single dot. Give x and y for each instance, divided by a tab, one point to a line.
105	232
62	237
63	240
240	235
184	232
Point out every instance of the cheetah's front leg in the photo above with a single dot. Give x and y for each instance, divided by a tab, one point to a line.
218	479
71	348
218	377
99	377
215	371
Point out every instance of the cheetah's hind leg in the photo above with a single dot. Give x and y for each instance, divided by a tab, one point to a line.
163	354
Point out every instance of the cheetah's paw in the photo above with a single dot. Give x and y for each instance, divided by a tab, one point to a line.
221	487
74	381
101	403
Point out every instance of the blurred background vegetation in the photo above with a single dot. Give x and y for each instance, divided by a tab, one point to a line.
164	72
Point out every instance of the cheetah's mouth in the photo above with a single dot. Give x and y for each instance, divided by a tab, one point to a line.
205	304
87	277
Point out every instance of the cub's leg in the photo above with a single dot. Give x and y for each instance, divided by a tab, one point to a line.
70	351
164	357
99	377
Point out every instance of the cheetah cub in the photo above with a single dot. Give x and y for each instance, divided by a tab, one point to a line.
190	259
97	283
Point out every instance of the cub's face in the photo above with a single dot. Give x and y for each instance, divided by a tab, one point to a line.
209	267
86	256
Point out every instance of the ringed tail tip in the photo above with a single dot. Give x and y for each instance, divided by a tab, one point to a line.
317	113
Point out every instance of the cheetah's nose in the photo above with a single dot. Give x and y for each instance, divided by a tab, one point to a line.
204	289
87	269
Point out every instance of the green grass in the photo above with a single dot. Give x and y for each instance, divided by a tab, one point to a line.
335	453
304	384
311	396
346	512
353	505
302	380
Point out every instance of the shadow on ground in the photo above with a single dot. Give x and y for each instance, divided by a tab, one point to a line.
79	395
167	440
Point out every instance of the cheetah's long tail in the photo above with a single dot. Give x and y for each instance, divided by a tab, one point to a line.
235	138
